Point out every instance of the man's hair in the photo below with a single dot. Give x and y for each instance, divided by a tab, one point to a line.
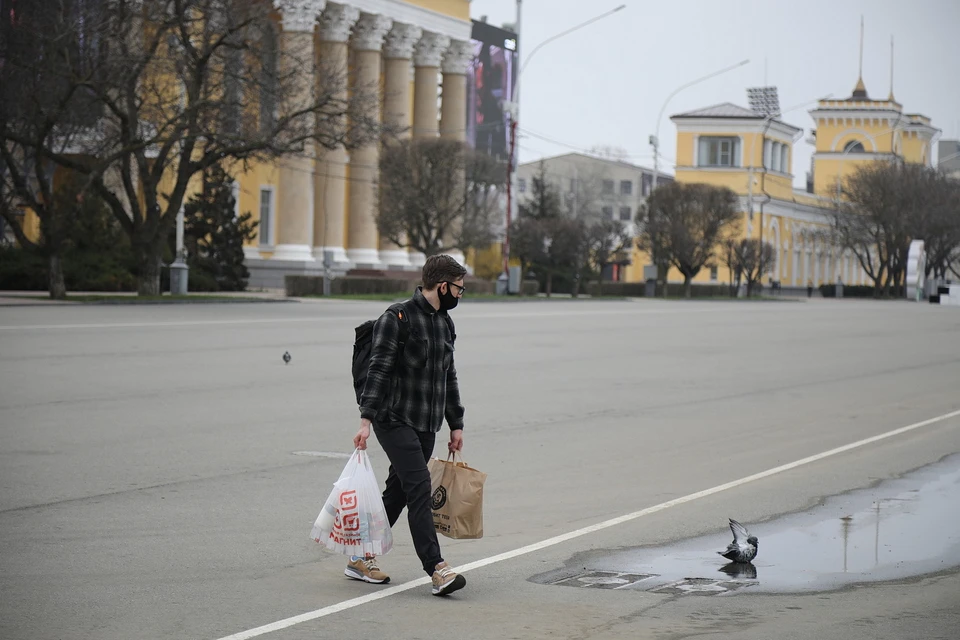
441	268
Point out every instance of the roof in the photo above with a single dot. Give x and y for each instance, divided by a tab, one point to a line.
722	110
587	156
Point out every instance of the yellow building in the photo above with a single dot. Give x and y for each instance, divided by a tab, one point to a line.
732	146
850	133
309	209
420	51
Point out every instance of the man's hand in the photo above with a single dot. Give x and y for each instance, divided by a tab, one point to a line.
360	440
456	440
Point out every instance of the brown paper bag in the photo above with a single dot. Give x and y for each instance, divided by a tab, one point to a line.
457	498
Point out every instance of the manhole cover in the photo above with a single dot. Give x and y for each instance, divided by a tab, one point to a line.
702	586
603	579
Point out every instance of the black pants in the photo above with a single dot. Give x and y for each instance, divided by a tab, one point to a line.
408	485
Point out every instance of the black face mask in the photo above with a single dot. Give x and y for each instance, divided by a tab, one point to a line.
448	300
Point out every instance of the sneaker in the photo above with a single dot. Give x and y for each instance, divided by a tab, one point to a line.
446	581
365	569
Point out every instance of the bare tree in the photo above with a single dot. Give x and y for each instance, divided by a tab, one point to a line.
607	242
885	205
755	259
544	201
564	249
582	200
45	104
436	189
181	85
939	224
528	243
609	152
550	235
684	224
730	256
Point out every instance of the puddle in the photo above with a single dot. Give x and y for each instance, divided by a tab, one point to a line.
901	528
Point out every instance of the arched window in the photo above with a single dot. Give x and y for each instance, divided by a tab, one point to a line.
854	146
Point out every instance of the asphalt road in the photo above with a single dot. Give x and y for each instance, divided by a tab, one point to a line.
153	482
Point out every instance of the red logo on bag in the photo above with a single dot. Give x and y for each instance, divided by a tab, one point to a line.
351	522
348	500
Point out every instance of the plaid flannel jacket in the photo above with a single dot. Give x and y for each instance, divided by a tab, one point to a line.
420	389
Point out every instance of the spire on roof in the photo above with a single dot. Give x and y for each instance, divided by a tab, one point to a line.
860	91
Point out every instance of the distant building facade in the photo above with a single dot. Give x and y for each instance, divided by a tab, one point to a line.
594	186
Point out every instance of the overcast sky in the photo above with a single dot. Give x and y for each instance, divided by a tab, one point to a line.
606	83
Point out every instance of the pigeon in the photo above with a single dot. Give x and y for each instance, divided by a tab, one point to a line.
286	357
744	546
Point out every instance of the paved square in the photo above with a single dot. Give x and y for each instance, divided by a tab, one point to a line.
161	466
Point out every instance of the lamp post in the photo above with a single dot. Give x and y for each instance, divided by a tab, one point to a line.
514	110
655	143
655	139
179	271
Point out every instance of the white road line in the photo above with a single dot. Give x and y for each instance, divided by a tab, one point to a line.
606	524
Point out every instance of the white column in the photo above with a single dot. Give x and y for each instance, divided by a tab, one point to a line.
294	183
426	61
428	54
362	236
817	259
397	62
453	108
330	179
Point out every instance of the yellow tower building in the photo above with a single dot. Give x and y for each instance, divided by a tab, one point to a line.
752	154
859	130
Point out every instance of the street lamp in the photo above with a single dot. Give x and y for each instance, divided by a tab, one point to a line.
655	139
514	110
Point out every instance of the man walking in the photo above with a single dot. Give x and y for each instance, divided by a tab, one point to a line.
407	395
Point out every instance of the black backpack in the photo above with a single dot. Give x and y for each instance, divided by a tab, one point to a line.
363	345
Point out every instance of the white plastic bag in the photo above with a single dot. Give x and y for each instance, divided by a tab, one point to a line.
353	521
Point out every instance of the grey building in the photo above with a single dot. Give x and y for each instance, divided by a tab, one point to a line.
948	154
592	185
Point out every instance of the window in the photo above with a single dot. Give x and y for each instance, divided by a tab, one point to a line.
626	187
713	274
775	156
266	216
784	159
625	214
522	185
719	152
608	186
854	146
607	212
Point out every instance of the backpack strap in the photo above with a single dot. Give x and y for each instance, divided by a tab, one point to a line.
404	324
